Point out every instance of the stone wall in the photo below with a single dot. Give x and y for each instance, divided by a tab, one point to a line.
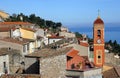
109	58
20	76
14	62
90	73
93	73
53	67
4	59
4	44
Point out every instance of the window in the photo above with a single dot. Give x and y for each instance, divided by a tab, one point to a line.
69	58
99	33
72	66
5	68
54	41
4	64
28	46
24	48
99	57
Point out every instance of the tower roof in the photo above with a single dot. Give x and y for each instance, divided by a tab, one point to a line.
98	21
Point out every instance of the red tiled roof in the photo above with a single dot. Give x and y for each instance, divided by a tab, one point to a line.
84	44
8	23
78	59
75	60
4	29
72	53
55	37
98	21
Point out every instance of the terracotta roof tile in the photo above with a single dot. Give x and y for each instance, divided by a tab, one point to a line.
84	44
98	21
4	29
55	37
18	23
14	24
75	60
72	53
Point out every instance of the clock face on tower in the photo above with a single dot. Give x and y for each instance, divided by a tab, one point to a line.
98	41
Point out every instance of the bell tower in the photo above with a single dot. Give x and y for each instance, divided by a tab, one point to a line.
98	44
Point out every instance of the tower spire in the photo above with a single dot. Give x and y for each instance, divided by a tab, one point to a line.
98	13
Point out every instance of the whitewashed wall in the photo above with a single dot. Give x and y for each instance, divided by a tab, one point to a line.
16	33
50	41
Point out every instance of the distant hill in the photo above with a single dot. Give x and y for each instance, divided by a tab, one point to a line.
49	24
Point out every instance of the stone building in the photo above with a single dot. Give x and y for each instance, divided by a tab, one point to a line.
16	24
58	63
64	29
83	49
53	39
5	32
10	60
52	62
31	65
67	34
23	45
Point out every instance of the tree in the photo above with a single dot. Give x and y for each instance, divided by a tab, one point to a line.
49	23
32	18
58	24
78	35
110	42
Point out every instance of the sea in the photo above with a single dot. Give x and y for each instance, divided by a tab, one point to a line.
111	32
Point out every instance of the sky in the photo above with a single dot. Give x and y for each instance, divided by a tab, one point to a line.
68	12
77	15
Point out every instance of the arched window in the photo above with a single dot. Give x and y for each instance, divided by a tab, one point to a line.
99	33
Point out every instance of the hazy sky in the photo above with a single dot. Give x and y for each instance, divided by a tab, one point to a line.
69	12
